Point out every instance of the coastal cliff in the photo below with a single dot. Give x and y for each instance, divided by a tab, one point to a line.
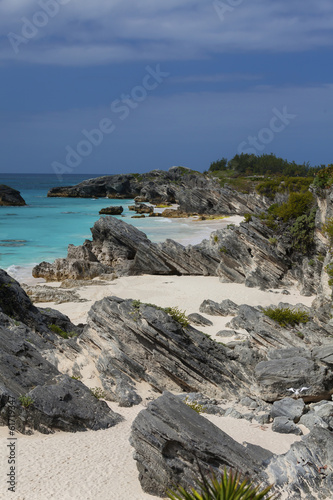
193	191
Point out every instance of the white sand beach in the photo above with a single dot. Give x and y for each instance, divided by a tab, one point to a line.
99	465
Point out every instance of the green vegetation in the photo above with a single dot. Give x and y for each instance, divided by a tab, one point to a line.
76	377
302	232
329	270
286	316
98	393
174	312
194	405
297	205
272	186
26	401
328	230
178	315
247	217
324	178
228	486
272	241
59	331
216	238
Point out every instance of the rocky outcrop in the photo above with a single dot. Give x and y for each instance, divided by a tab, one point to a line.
172	441
120	248
133	343
10	197
32	390
174	445
193	191
112	211
50	294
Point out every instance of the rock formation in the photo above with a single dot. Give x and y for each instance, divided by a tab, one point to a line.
132	343
32	390
10	197
112	211
120	248
193	191
173	443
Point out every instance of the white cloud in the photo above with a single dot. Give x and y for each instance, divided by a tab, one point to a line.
88	33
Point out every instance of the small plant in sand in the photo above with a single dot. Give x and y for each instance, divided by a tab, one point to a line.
286	316
98	393
26	401
226	486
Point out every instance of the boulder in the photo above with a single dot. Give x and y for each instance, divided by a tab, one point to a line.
225	308
289	408
284	425
171	440
276	376
10	197
112	210
198	319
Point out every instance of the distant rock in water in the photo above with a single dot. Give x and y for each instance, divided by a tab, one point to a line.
111	211
10	197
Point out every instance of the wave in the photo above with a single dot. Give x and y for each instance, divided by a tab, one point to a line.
21	273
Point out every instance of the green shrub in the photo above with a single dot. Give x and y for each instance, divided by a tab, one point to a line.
324	178
286	316
178	315
328	230
298	204
272	241
76	377
195	406
26	401
216	238
224	250
98	393
247	218
59	331
302	232
329	270
228	486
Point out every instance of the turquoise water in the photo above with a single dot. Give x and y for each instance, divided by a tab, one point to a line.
42	230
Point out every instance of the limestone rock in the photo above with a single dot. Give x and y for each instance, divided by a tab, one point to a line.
10	197
288	407
170	439
112	210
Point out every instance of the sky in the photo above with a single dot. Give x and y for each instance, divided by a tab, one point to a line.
118	86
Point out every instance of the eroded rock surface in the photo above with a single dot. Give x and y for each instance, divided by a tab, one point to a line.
10	197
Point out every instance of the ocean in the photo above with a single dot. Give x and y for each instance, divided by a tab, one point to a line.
42	230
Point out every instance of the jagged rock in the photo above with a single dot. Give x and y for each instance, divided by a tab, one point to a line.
133	342
141	208
120	248
300	472
226	333
112	210
10	197
174	213
267	334
288	407
225	308
284	425
57	401
170	439
50	294
195	192
312	421
276	376
197	319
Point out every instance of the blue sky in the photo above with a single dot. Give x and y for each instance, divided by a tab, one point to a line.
115	86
